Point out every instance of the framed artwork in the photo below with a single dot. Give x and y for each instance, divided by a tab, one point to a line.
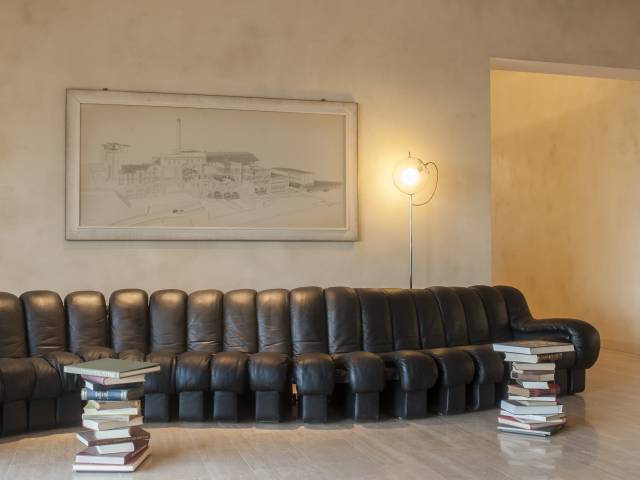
151	166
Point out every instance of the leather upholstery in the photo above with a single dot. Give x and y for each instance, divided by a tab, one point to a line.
377	333
47	382
274	326
193	372
308	320
496	311
269	371
414	369
314	373
45	317
413	344
13	337
240	330
343	320
167	321
229	372
455	327
204	321
584	337
129	315
87	320
164	380
18	378
365	370
58	360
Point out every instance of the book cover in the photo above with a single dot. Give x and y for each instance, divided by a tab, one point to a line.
112	368
98	405
524	358
131	466
91	455
111	395
109	424
533	347
102	383
515	407
92	438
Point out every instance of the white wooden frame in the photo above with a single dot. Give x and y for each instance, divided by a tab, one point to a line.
74	231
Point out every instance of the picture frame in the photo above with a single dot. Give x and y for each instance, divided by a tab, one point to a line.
163	166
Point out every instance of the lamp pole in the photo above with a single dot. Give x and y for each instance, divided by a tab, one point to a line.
410	240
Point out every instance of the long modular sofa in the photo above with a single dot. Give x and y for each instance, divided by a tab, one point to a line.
248	354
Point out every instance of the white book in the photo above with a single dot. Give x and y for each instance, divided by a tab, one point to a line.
516	408
102	424
129	467
115	448
523	358
534	385
534	366
546	398
522	431
534	417
115	433
533	347
111	405
111	412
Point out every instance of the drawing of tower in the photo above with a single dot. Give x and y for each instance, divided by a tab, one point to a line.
112	158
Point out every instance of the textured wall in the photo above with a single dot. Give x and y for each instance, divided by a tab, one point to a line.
566	167
419	70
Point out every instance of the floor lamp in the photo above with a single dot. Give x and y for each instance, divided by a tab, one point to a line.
411	177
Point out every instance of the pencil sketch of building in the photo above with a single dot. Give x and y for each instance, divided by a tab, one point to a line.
197	187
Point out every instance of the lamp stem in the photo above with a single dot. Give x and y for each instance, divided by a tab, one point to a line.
411	240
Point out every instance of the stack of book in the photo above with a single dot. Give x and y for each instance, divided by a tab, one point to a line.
114	441
532	407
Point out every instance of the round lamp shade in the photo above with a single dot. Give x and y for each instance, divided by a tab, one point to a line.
410	175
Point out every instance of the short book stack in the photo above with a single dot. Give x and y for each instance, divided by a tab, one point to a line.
532	407
114	441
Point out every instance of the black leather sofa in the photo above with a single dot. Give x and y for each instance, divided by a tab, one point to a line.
240	354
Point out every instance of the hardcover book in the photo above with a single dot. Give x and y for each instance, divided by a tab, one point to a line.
112	368
92	438
533	347
130	466
111	395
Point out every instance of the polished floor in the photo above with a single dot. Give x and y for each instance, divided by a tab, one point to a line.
602	441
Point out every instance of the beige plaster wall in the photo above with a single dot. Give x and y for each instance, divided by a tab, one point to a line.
419	70
566	171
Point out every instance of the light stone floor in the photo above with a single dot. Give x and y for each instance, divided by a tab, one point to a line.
601	441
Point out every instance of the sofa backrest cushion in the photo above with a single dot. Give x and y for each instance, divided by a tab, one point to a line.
475	316
308	320
429	319
204	321
168	321
404	318
129	318
274	325
496	311
377	333
86	320
453	317
344	326
239	321
45	319
13	337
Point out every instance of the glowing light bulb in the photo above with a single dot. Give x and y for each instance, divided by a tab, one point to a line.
410	176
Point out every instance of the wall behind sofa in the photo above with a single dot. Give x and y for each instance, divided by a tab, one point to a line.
419	70
566	170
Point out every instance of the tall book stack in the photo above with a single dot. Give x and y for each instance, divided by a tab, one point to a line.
114	441
532	407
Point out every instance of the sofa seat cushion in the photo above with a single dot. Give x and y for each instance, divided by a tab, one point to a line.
18	378
164	380
47	381
229	372
89	354
455	367
269	371
193	372
58	360
489	366
414	370
133	355
365	370
313	374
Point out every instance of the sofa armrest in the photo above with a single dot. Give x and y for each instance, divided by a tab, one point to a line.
583	335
